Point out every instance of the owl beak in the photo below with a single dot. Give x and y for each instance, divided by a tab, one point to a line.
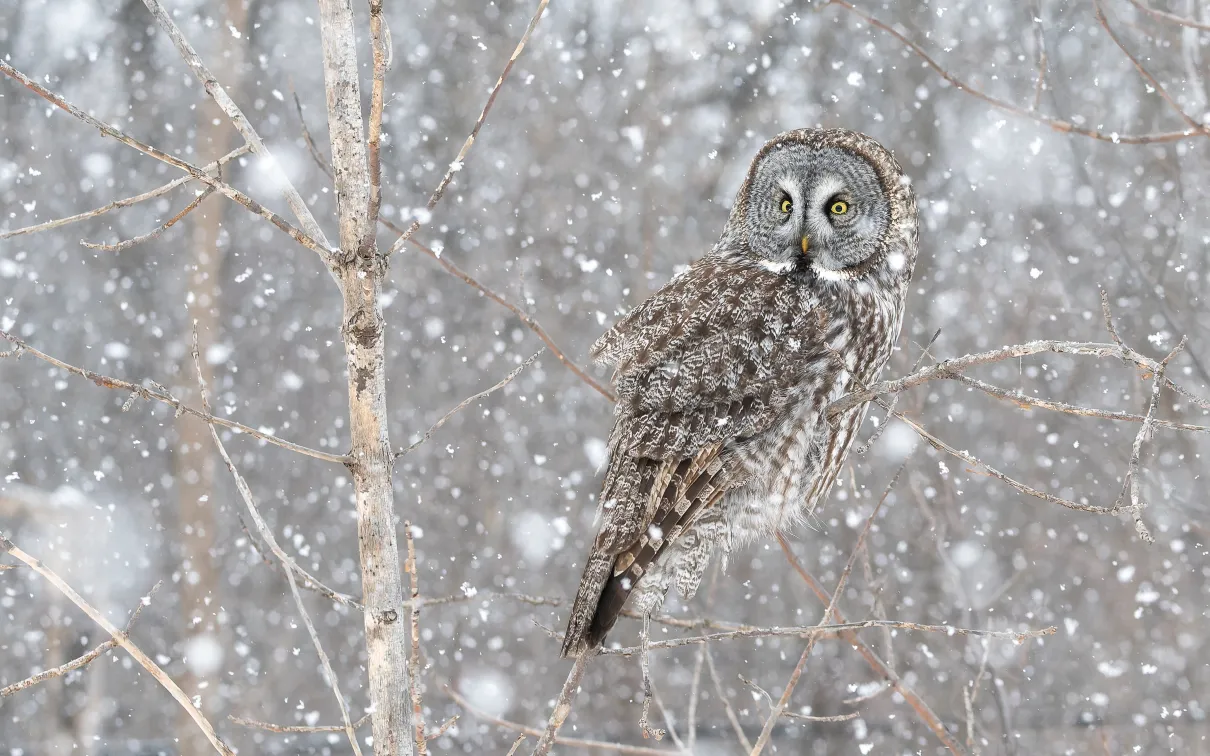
805	243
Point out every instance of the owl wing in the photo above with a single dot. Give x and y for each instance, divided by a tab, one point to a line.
712	358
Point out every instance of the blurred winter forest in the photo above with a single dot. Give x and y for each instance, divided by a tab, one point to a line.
1050	167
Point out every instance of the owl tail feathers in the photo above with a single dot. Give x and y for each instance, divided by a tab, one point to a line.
587	626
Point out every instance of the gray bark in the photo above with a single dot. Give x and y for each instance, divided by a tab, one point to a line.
360	272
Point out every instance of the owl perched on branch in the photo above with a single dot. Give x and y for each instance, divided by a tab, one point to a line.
723	375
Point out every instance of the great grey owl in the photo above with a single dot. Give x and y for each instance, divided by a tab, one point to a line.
723	375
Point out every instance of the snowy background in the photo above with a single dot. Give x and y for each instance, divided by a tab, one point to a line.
610	158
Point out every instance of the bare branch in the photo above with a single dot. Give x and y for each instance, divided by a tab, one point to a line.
1171	18
535	732
122	640
517	744
837	630
161	395
256	724
1066	127
128	243
380	42
310	582
645	667
468	401
881	668
409	567
878	431
667	717
243	126
444	728
1040	41
157	192
287	563
793	715
80	661
779	709
562	706
1100	13
460	160
1030	402
319	159
1131	482
722	696
947	369
194	172
990	471
473	594
521	314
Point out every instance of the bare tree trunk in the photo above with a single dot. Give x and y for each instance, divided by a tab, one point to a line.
360	273
194	458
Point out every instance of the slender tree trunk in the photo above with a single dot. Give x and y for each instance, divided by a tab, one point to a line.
360	273
194	457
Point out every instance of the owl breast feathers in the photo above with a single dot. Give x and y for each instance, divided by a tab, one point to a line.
723	375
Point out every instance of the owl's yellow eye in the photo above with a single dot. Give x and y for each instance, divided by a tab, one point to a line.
839	207
786	205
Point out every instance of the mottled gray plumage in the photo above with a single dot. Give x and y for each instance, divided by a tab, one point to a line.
723	375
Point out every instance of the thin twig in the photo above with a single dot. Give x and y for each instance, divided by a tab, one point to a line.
971	694
918	704
162	396
645	667
1029	402
744	743
379	42
562	707
841	629
1040	41
521	314
124	641
157	192
947	369
776	713
1057	124
473	594
878	431
225	189
80	661
257	724
444	728
409	567
244	127
882	688
517	744
318	157
535	732
793	715
310	582
468	401
1154	82
287	563
667	717
460	160
1131	482
1171	18
699	664
128	243
992	472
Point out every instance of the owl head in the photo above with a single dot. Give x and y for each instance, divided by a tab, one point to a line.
831	201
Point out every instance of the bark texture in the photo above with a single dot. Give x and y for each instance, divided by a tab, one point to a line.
360	271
